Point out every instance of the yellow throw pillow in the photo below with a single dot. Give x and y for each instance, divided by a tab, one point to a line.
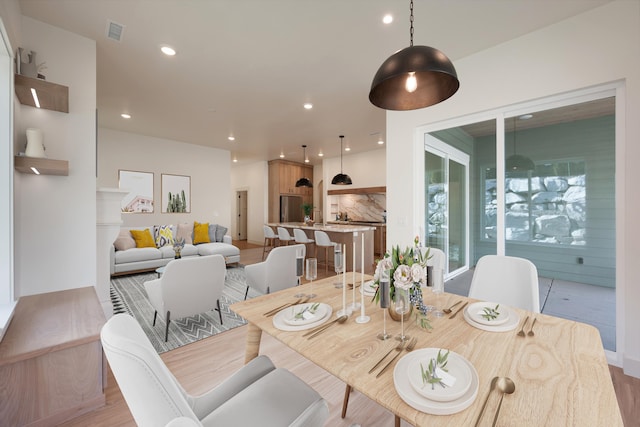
201	233
143	238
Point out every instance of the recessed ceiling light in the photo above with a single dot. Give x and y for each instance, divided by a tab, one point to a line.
125	116
525	116
320	154
231	138
347	149
235	160
380	141
169	51
308	106
282	155
387	19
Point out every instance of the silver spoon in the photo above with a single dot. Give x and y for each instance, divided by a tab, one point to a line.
506	386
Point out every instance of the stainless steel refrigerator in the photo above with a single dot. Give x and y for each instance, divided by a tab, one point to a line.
291	209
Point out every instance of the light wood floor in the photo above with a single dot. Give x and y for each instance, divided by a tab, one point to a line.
206	363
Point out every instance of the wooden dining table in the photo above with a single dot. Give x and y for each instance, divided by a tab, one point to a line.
561	374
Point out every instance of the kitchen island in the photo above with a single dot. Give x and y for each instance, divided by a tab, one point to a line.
342	234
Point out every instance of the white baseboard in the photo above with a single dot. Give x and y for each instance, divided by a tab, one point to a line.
6	314
631	367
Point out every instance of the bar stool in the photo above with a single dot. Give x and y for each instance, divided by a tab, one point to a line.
323	241
284	236
270	238
301	237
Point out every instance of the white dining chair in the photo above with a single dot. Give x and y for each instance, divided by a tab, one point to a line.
323	241
275	273
506	280
301	237
257	394
284	236
270	238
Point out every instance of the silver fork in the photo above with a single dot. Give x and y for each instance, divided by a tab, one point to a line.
410	347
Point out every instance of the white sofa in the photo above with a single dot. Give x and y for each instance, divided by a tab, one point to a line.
126	259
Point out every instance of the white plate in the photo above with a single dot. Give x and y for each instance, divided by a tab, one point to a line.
369	288
421	403
289	316
279	323
456	367
509	325
476	310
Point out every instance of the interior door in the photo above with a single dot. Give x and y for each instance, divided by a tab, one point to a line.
447	203
242	215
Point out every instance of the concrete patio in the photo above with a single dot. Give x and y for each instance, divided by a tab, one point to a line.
594	305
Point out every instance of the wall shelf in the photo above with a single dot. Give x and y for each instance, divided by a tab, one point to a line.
44	166
366	190
51	96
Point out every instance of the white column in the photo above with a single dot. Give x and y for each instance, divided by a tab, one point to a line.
108	221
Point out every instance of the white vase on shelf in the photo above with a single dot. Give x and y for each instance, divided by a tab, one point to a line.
35	143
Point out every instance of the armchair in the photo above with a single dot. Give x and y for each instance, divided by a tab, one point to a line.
188	286
257	394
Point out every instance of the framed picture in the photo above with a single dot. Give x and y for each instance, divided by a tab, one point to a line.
140	187
176	193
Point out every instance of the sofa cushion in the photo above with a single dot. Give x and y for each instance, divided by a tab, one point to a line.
124	241
220	232
215	248
212	232
137	254
189	250
163	235
185	230
200	233
143	238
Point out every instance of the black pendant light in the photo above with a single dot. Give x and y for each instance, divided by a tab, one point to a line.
341	178
304	182
516	162
414	77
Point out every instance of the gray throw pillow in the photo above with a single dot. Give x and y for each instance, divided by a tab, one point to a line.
220	232
212	232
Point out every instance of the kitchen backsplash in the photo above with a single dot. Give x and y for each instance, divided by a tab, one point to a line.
359	207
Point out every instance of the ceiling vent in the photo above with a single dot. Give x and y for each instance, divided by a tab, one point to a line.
114	31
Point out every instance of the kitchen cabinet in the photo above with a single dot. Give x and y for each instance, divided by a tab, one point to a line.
283	175
380	240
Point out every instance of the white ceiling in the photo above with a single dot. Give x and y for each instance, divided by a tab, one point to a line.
246	67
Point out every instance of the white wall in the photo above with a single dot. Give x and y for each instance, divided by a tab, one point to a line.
208	168
55	216
599	46
252	178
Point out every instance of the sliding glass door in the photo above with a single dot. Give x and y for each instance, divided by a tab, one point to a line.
447	207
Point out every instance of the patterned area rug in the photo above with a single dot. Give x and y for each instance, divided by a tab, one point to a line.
129	296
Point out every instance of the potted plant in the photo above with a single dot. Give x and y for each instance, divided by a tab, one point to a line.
307	208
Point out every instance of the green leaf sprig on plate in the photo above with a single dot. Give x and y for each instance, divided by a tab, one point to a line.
311	309
429	375
491	313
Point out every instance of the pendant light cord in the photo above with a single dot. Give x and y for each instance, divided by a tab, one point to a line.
341	136
411	23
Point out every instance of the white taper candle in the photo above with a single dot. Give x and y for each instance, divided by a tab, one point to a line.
362	278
